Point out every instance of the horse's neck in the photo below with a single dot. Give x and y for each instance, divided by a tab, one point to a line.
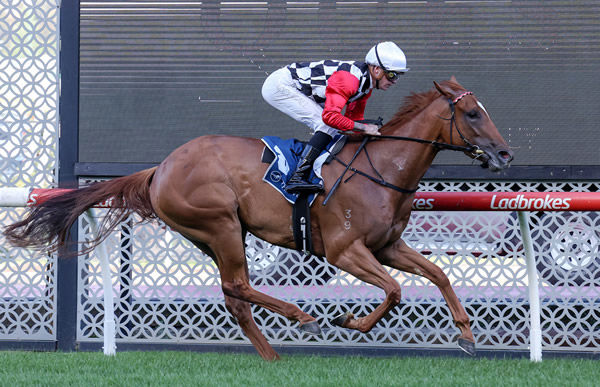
405	162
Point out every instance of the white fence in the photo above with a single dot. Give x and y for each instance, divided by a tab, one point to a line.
168	291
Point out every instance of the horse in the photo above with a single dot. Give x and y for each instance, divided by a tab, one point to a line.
210	191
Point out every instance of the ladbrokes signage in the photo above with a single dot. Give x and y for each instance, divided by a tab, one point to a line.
506	201
522	203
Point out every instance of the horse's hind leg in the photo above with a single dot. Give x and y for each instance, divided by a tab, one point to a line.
226	244
402	257
242	313
231	258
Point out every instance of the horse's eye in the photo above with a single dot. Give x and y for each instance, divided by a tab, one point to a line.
473	114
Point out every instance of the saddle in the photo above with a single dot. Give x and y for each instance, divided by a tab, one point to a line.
283	156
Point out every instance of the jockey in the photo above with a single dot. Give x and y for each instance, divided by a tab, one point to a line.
315	93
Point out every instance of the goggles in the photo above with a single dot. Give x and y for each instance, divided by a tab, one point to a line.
392	75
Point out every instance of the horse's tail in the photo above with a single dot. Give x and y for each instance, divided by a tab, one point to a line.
47	225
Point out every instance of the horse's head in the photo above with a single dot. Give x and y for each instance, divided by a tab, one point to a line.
474	126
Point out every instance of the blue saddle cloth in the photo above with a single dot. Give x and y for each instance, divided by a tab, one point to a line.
287	155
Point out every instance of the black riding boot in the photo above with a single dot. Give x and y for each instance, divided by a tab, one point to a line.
298	183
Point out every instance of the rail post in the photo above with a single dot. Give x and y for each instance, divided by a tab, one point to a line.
110	347
535	335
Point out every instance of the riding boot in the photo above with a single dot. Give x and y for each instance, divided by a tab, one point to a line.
299	183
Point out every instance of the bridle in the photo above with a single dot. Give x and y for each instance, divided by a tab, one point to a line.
468	148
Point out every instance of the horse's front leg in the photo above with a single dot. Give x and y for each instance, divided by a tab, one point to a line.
358	261
400	256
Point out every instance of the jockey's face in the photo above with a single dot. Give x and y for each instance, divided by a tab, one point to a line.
384	81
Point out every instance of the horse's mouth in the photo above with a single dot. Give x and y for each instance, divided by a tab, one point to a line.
496	161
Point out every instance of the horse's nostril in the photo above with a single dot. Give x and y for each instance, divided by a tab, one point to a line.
506	156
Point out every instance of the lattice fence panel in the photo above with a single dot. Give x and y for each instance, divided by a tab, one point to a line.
169	292
28	152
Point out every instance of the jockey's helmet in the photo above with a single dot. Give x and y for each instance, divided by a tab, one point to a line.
388	56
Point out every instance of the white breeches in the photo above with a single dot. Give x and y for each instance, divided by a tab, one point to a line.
280	91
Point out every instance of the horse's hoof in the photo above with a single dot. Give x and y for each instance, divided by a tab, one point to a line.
467	346
342	319
311	327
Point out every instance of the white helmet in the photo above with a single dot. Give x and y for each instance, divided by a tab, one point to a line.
388	56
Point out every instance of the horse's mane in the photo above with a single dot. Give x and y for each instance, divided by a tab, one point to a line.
416	102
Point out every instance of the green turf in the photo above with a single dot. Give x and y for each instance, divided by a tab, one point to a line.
202	369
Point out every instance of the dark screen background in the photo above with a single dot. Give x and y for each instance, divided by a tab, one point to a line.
155	75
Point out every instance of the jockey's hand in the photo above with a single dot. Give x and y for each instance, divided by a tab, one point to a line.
367	129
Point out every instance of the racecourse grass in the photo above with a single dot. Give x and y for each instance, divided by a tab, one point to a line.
208	369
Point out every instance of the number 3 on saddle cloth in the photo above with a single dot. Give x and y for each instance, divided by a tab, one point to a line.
283	156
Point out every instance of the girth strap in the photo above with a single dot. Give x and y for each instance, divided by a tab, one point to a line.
301	224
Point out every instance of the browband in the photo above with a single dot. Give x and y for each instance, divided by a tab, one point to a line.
455	100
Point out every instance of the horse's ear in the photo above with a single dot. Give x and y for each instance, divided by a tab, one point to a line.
444	92
453	79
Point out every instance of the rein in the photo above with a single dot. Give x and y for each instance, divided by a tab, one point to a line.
440	145
469	148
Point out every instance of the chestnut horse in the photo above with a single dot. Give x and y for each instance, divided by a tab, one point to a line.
211	191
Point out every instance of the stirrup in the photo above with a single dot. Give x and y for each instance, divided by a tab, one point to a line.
302	187
299	184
